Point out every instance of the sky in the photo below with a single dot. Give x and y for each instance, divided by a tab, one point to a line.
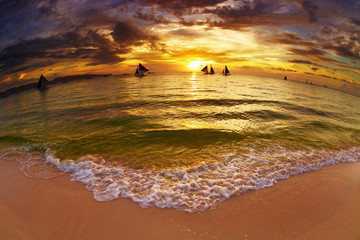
315	40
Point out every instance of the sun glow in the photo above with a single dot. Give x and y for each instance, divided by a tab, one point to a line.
195	65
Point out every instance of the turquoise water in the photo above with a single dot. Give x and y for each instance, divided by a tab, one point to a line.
187	141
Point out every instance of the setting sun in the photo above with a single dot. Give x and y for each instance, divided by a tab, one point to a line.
194	65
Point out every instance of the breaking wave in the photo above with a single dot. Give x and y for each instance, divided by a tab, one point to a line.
199	188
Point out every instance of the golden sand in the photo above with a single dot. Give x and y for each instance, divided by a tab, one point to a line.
324	204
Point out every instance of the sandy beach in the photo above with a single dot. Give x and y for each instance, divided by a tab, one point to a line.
317	205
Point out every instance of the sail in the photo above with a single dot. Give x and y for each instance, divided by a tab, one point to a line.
140	70
42	83
205	69
223	72
227	72
211	70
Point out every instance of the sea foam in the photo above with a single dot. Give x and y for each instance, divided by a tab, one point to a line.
198	188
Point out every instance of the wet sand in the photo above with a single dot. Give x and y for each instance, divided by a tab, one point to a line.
317	205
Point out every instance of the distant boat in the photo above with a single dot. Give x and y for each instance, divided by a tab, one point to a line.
285	78
140	70
206	70
226	71
43	83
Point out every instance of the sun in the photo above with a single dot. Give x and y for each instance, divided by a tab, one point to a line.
194	65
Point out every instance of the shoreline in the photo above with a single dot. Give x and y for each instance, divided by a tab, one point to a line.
65	79
322	204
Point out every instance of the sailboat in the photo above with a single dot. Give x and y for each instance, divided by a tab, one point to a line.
140	70
226	71
43	83
206	70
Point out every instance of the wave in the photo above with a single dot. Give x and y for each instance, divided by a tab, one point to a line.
198	188
124	105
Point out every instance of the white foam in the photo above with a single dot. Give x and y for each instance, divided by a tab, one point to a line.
30	164
199	188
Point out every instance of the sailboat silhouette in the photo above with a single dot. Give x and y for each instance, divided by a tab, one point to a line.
206	70
43	83
140	70
226	71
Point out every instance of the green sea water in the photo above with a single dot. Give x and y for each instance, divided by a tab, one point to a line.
181	128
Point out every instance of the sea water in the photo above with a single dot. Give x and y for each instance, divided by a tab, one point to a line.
186	141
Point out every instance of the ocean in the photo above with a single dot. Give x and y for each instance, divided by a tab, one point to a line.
187	141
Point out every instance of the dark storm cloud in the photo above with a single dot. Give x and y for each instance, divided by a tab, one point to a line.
179	7
25	19
345	46
247	8
94	18
105	55
248	13
311	9
11	8
129	34
188	23
92	46
356	21
44	12
19	10
327	30
151	16
289	38
343	43
348	50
